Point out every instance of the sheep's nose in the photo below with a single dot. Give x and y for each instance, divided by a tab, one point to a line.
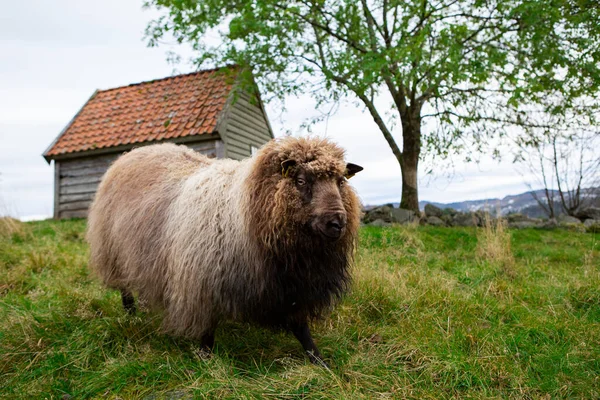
335	225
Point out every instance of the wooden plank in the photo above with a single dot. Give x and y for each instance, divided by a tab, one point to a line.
255	119
240	140
220	153
236	156
244	107
259	105
206	151
87	188
247	133
201	145
255	109
252	101
209	154
243	135
74	214
56	188
248	124
78	180
240	147
67	198
232	146
236	153
83	171
247	121
98	161
240	144
77	205
237	128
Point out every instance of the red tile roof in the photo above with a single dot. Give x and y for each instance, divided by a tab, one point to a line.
172	107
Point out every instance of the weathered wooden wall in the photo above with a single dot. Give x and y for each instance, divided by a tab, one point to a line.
76	180
246	126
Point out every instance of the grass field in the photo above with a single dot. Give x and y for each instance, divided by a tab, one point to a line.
434	313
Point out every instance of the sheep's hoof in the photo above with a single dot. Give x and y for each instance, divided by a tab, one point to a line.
317	360
203	353
207	342
128	301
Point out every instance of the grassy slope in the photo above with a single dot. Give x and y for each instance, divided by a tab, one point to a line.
427	318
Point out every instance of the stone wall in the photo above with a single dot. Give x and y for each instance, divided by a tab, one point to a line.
587	219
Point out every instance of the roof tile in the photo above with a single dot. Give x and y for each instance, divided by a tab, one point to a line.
171	107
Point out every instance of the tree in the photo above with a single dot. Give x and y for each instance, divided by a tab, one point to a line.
568	169
536	161
475	68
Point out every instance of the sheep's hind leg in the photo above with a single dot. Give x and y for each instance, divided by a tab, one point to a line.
128	301
302	333
207	341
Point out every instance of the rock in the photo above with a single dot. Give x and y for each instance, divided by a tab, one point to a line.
449	211
518	218
390	215
578	227
435	221
433	211
464	219
588	213
383	213
482	216
592	225
402	216
550	224
520	221
447	218
568	219
524	224
379	222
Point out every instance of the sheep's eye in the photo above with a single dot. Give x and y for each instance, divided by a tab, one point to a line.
341	182
300	182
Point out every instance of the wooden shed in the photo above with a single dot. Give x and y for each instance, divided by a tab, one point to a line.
202	110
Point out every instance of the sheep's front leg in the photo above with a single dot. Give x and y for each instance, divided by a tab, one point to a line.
207	341
302	333
128	301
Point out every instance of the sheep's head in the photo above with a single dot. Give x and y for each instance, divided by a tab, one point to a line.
321	195
301	189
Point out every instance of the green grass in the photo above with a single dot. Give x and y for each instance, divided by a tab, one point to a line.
428	317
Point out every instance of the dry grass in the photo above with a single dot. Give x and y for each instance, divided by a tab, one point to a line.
10	226
494	244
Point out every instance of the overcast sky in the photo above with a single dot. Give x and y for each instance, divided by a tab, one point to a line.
54	54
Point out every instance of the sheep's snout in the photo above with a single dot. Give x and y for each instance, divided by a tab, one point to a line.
331	225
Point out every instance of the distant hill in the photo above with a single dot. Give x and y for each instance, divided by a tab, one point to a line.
523	203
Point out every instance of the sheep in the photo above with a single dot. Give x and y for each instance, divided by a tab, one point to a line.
267	240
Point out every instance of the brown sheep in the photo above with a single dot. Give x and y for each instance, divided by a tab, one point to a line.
268	239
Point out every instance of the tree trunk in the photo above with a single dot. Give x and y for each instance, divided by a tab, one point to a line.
410	191
411	151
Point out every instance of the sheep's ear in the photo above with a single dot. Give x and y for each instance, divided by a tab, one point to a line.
352	169
286	166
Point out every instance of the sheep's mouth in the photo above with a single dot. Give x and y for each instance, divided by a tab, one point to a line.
332	235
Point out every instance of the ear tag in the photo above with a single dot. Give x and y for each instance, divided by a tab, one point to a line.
286	166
